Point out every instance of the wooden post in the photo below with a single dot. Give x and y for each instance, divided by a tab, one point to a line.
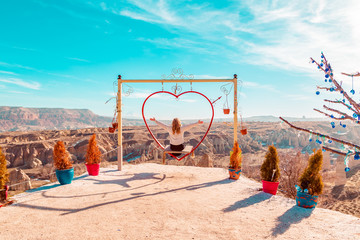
235	108
118	106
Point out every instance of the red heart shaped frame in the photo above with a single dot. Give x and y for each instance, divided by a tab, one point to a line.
177	96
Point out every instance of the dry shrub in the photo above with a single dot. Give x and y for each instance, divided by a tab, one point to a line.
311	178
61	157
270	170
93	154
4	175
291	167
235	157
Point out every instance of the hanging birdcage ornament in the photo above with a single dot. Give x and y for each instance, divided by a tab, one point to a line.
226	91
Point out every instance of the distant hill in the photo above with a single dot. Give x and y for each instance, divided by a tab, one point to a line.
29	119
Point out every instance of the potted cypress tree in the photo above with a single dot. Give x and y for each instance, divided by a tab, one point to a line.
270	171
4	177
93	157
235	162
311	184
64	169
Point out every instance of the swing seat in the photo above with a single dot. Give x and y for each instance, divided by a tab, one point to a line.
186	150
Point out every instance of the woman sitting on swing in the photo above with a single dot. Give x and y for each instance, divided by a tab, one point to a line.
176	133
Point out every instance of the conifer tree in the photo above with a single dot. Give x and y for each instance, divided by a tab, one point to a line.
236	156
93	154
270	170
61	157
4	175
311	178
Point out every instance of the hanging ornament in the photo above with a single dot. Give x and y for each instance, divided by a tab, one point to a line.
356	156
310	139
317	92
352	91
332	89
343	125
329	141
346	161
333	124
355	115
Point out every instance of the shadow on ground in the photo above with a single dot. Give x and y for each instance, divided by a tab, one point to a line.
293	215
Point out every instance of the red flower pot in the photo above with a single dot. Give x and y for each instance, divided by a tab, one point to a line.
111	130
226	111
243	131
234	173
93	169
6	191
115	125
270	187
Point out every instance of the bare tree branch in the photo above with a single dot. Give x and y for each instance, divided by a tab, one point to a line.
320	134
341	102
328	115
334	151
339	112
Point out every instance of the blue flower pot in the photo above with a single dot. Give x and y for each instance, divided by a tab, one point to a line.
306	200
65	176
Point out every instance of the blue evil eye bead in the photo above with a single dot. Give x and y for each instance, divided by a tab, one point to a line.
318	141
318	67
329	141
332	123
321	64
343	100
313	61
327	75
331	89
355	115
326	69
344	125
330	80
310	140
317	92
331	74
332	116
323	150
325	80
322	56
347	169
342	91
342	116
352	91
356	156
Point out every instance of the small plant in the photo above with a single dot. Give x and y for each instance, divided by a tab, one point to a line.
270	170
235	157
93	154
61	157
311	178
4	175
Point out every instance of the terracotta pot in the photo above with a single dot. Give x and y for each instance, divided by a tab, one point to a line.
115	125
234	173
65	176
93	169
243	131
306	200
111	130
226	111
270	187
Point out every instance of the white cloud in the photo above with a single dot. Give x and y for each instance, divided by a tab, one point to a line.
78	59
19	82
7	72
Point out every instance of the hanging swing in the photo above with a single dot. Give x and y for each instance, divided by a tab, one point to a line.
187	149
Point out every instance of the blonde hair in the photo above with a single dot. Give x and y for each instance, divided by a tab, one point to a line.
176	124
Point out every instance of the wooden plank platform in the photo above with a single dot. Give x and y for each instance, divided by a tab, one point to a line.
186	150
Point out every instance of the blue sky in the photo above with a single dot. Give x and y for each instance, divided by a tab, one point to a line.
67	54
